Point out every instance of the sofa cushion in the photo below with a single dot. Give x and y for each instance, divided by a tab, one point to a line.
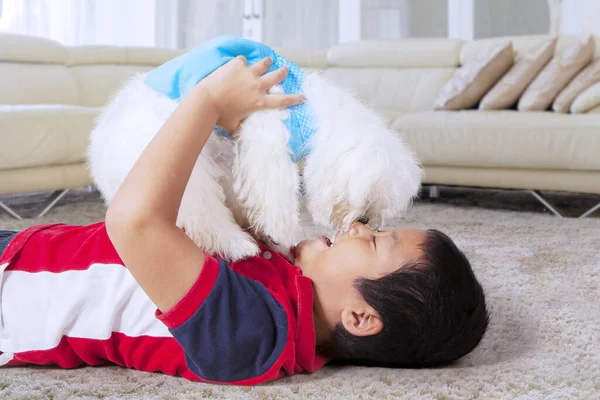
585	79
474	79
587	100
472	48
565	64
503	139
42	135
527	65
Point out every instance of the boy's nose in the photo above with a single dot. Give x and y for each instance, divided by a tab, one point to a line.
358	229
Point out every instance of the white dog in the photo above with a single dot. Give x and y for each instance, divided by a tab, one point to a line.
357	167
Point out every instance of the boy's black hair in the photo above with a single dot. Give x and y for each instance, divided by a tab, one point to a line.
433	312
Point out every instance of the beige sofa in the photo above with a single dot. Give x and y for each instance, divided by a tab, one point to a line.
51	94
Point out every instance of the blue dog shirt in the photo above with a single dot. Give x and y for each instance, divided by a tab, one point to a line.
177	77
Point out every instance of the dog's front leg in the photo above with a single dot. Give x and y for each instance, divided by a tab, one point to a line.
266	178
207	220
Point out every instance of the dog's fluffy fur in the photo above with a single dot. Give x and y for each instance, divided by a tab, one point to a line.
356	167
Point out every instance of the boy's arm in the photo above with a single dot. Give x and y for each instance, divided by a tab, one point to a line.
141	218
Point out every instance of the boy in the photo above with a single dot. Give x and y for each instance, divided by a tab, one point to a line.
402	298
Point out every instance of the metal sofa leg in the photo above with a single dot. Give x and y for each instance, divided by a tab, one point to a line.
590	211
434	192
52	200
542	200
50	203
10	211
549	206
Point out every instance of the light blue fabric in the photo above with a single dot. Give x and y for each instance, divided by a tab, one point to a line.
177	77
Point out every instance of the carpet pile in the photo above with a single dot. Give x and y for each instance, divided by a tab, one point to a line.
541	275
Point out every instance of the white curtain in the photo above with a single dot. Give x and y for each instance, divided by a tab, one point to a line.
579	17
102	22
301	23
289	23
201	20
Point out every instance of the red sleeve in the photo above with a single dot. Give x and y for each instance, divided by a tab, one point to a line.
192	301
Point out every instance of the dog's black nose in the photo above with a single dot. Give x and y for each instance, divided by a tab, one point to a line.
363	220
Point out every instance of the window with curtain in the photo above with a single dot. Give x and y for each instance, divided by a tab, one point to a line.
290	23
101	22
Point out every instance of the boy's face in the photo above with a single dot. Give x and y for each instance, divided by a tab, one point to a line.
359	253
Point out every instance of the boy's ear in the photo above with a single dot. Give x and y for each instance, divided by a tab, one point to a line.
361	322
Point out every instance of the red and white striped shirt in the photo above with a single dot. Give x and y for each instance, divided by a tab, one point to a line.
67	299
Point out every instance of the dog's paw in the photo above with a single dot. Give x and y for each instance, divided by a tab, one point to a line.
284	250
237	246
232	245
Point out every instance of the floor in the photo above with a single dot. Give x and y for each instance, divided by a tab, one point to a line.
541	275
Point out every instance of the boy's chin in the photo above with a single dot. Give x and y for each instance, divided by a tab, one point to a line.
302	250
307	249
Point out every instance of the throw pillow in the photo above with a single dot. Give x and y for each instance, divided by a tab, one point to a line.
585	79
554	77
471	82
511	86
588	99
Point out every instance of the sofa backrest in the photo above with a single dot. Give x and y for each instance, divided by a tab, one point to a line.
395	75
41	71
389	75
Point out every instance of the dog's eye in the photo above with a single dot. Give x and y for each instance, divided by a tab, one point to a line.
363	220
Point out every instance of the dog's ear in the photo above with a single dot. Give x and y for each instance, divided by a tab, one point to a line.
363	220
357	166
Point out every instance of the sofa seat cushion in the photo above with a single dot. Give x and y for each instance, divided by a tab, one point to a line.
390	114
44	135
503	139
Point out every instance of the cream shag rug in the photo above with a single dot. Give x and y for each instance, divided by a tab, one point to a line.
542	279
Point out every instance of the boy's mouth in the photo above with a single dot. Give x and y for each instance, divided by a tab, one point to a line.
326	240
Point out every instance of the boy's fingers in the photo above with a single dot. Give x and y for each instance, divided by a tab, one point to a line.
283	100
242	59
273	78
262	66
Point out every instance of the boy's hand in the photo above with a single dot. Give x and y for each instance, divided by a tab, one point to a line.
236	90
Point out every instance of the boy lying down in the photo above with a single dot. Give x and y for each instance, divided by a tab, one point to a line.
137	292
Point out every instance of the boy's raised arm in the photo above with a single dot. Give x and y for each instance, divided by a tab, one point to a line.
141	218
